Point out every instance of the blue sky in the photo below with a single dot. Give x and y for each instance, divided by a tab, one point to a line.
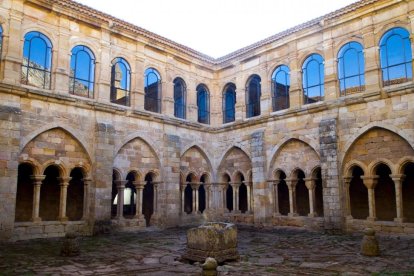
216	27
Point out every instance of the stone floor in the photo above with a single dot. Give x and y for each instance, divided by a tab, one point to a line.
282	251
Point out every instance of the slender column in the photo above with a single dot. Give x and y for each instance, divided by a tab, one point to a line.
235	187
139	186
398	179
291	183
223	196
120	185
310	184
86	185
276	211
183	186
370	183
37	183
195	187
156	196
347	183
208	187
249	198
64	183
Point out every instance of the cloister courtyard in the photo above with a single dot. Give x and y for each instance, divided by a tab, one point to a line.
276	251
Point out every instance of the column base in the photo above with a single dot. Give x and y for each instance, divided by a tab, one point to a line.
276	214
312	215
37	220
399	220
63	219
237	212
292	214
371	219
119	218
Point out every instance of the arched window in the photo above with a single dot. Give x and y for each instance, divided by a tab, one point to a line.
82	71
120	82
253	93
37	60
152	90
203	104
351	66
229	103
180	98
313	79
395	56
280	88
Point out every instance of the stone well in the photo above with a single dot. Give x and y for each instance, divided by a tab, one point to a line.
214	239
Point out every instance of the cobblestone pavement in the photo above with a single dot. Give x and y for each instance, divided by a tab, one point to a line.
282	251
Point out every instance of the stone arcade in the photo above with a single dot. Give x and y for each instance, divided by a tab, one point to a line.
312	127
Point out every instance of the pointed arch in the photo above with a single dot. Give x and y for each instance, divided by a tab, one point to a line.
228	162
74	133
402	133
195	159
306	143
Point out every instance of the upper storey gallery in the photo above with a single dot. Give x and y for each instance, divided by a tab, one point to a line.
67	49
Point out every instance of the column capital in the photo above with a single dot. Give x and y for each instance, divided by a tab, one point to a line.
397	177
247	183
64	180
87	181
194	185
235	184
120	184
139	184
347	179
370	181
37	179
310	183
291	183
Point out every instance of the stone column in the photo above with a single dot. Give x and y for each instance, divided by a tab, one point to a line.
347	183
156	197
37	183
223	196
249	196
139	186
183	186
64	183
195	187
120	185
86	185
235	187
370	183
291	183
310	184
275	197
208	187
398	179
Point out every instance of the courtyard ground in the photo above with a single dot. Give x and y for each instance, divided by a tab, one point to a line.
282	251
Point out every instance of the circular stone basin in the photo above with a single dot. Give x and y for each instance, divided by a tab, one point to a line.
217	240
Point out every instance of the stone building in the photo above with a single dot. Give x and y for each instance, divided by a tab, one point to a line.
312	127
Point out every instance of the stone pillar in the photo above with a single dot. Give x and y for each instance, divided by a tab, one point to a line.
139	186
37	183
310	184
183	186
155	198
263	209
370	183
332	198
398	179
223	196
249	196
120	185
275	184
291	183
86	185
347	182
64	183
208	189
195	187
